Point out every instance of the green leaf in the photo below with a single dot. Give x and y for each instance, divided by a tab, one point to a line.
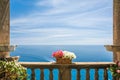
14	69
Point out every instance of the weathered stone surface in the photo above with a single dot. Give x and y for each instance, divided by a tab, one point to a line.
4	26
4	22
116	30
116	23
73	65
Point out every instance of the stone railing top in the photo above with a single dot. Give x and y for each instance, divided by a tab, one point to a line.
73	65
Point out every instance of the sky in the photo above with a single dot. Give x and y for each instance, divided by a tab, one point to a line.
61	22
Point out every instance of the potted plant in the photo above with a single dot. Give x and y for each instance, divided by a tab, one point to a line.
115	69
63	57
12	70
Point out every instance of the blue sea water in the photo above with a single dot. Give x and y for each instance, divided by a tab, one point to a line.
84	53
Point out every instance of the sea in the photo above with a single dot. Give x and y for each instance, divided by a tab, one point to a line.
84	53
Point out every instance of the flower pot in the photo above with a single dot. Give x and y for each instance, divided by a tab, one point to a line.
63	61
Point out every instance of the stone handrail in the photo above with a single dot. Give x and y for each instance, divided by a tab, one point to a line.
65	69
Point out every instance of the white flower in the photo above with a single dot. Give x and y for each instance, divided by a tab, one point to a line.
69	55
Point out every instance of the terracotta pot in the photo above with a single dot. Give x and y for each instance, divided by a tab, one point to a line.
63	61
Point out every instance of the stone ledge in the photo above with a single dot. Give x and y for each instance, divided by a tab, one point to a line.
7	48
112	48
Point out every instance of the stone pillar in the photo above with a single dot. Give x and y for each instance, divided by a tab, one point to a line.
115	48
116	29
116	23
4	28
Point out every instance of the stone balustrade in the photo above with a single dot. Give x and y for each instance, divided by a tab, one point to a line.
64	68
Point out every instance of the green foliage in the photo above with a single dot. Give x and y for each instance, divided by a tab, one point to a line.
115	69
12	71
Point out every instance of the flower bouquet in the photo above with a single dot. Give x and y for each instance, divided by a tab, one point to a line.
63	57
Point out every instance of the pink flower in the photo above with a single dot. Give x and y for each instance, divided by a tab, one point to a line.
116	61
53	54
118	64
58	54
118	71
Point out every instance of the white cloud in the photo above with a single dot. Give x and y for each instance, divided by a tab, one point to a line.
53	3
72	6
62	36
65	22
39	41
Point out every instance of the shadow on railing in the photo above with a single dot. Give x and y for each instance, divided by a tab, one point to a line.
74	71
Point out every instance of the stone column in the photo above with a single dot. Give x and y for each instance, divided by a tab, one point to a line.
116	28
116	22
4	28
115	48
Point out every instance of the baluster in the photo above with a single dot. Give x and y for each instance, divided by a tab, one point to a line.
64	73
33	74
42	74
117	78
113	78
87	74
60	74
105	74
78	74
51	74
96	74
2	5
